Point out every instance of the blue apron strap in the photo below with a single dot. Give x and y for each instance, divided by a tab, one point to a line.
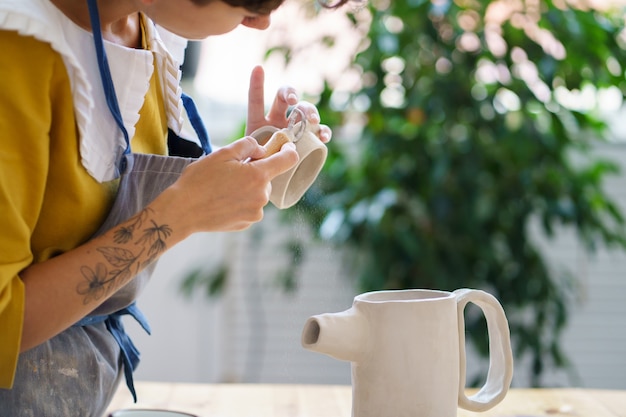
197	123
111	97
105	73
130	354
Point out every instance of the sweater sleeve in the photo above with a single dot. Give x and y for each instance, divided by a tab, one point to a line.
30	72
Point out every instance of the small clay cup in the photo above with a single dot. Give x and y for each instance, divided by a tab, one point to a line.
289	187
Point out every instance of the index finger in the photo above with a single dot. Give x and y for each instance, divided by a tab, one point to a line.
256	98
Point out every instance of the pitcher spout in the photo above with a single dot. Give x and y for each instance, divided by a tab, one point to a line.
341	335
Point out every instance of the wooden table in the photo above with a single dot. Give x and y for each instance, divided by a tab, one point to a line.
273	400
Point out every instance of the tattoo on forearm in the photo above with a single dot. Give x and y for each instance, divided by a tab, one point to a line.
121	263
154	237
124	234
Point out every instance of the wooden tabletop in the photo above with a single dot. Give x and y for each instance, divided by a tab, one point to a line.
274	400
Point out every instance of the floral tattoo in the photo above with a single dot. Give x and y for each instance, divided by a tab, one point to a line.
121	263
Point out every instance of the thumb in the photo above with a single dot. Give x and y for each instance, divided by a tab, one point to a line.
279	162
246	148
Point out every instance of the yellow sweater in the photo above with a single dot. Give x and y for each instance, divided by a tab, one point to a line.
49	204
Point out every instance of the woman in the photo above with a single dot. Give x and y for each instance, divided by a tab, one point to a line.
88	92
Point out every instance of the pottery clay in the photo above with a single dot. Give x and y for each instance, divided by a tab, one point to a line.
407	351
289	187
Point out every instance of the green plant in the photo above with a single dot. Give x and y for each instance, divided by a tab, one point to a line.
475	130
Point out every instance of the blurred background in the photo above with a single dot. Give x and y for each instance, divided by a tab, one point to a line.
476	144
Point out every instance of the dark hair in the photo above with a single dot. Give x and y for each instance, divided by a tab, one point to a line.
267	6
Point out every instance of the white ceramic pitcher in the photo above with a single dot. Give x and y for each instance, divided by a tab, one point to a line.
407	350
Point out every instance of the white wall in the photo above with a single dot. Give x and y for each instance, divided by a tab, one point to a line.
596	337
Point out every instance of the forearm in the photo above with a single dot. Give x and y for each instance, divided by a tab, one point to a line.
64	289
217	193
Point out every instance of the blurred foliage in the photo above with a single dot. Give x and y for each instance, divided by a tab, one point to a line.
480	121
477	126
213	281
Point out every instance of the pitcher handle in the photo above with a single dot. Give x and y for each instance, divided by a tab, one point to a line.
500	371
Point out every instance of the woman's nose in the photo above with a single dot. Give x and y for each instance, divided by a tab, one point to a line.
260	22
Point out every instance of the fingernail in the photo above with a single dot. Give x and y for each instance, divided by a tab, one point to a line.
314	118
292	97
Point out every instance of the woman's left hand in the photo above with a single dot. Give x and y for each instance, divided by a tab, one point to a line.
277	116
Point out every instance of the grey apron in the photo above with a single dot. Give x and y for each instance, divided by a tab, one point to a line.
76	373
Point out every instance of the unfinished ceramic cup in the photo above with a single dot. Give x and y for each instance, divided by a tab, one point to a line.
289	187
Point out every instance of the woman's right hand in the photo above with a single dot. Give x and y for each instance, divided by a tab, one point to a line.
220	192
227	189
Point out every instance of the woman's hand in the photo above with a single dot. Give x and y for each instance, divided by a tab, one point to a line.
277	116
227	189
